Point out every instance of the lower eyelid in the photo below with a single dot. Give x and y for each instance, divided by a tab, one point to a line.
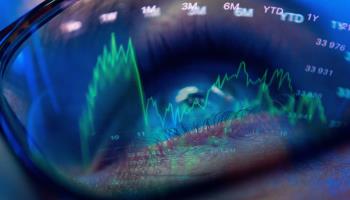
236	152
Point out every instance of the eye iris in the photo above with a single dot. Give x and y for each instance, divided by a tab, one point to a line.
195	99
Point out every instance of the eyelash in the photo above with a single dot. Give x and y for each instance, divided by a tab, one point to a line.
207	123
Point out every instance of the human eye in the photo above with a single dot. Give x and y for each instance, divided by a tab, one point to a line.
160	96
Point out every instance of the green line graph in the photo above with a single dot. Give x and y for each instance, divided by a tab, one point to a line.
177	113
118	63
113	63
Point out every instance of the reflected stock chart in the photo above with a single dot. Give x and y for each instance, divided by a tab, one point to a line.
126	96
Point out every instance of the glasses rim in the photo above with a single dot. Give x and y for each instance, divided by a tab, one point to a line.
11	39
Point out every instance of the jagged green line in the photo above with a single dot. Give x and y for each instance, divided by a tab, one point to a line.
118	62
177	115
111	64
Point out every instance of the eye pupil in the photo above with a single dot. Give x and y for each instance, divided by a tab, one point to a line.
196	99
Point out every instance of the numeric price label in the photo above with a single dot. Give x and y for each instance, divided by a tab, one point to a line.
309	94
347	56
330	44
319	70
341	26
343	93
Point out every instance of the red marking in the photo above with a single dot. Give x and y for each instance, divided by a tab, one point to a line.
160	150
232	128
